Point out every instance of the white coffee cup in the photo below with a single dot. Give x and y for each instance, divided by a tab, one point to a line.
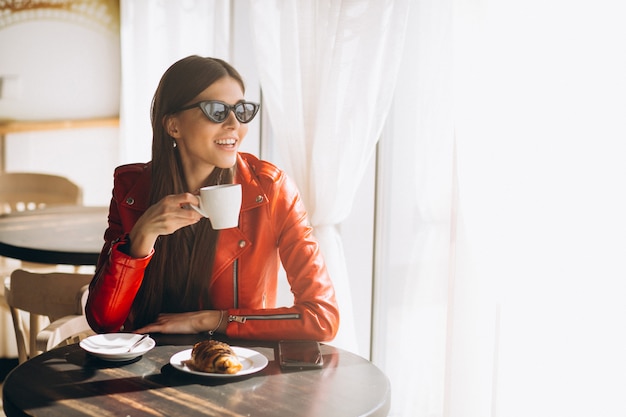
221	204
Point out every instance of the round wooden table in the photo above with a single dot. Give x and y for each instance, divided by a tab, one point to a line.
70	235
68	382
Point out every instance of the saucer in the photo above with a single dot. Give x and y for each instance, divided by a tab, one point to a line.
114	346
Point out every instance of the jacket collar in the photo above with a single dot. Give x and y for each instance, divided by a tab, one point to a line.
137	197
253	194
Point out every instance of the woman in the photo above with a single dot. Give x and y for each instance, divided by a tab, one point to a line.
164	269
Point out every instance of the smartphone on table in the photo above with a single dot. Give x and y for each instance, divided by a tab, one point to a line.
300	354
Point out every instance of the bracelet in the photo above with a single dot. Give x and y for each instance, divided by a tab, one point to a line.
219	323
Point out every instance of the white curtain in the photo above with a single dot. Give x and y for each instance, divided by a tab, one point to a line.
155	34
327	70
501	252
415	231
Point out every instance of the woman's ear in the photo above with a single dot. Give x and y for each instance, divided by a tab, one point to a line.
170	123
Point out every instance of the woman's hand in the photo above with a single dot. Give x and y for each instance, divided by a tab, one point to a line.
185	323
162	218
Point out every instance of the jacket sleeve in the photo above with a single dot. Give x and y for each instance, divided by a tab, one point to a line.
118	276
113	289
315	314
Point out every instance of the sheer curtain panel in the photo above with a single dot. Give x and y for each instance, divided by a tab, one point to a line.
328	70
415	233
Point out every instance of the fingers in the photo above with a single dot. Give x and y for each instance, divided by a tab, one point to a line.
185	202
158	326
169	323
184	199
172	213
162	218
190	202
176	202
145	329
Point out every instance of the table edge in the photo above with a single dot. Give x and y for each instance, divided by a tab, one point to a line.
47	256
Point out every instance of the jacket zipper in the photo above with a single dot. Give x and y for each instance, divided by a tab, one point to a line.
236	283
242	319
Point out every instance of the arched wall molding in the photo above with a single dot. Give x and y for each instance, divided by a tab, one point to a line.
102	14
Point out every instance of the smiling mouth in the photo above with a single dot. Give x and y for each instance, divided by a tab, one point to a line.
226	142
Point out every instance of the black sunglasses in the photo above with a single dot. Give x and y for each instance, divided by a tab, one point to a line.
217	111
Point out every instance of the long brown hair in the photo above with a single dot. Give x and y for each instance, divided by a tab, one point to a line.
177	277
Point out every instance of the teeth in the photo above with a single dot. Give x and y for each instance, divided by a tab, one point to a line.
226	141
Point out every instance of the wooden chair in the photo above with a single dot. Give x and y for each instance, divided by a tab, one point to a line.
20	191
56	298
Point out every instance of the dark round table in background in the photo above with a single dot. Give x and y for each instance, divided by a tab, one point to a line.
70	235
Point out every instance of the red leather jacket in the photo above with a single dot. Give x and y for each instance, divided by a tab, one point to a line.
273	227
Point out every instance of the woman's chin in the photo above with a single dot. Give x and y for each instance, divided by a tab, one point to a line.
226	163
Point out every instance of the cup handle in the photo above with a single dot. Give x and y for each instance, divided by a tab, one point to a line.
198	209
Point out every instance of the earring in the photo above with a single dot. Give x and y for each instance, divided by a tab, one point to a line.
174	143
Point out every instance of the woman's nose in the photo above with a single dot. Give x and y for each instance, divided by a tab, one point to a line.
231	121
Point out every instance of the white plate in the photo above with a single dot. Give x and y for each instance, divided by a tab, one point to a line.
251	360
114	346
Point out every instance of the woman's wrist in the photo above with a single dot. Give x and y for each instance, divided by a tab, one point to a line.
139	246
220	326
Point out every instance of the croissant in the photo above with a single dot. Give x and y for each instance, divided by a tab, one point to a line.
214	357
